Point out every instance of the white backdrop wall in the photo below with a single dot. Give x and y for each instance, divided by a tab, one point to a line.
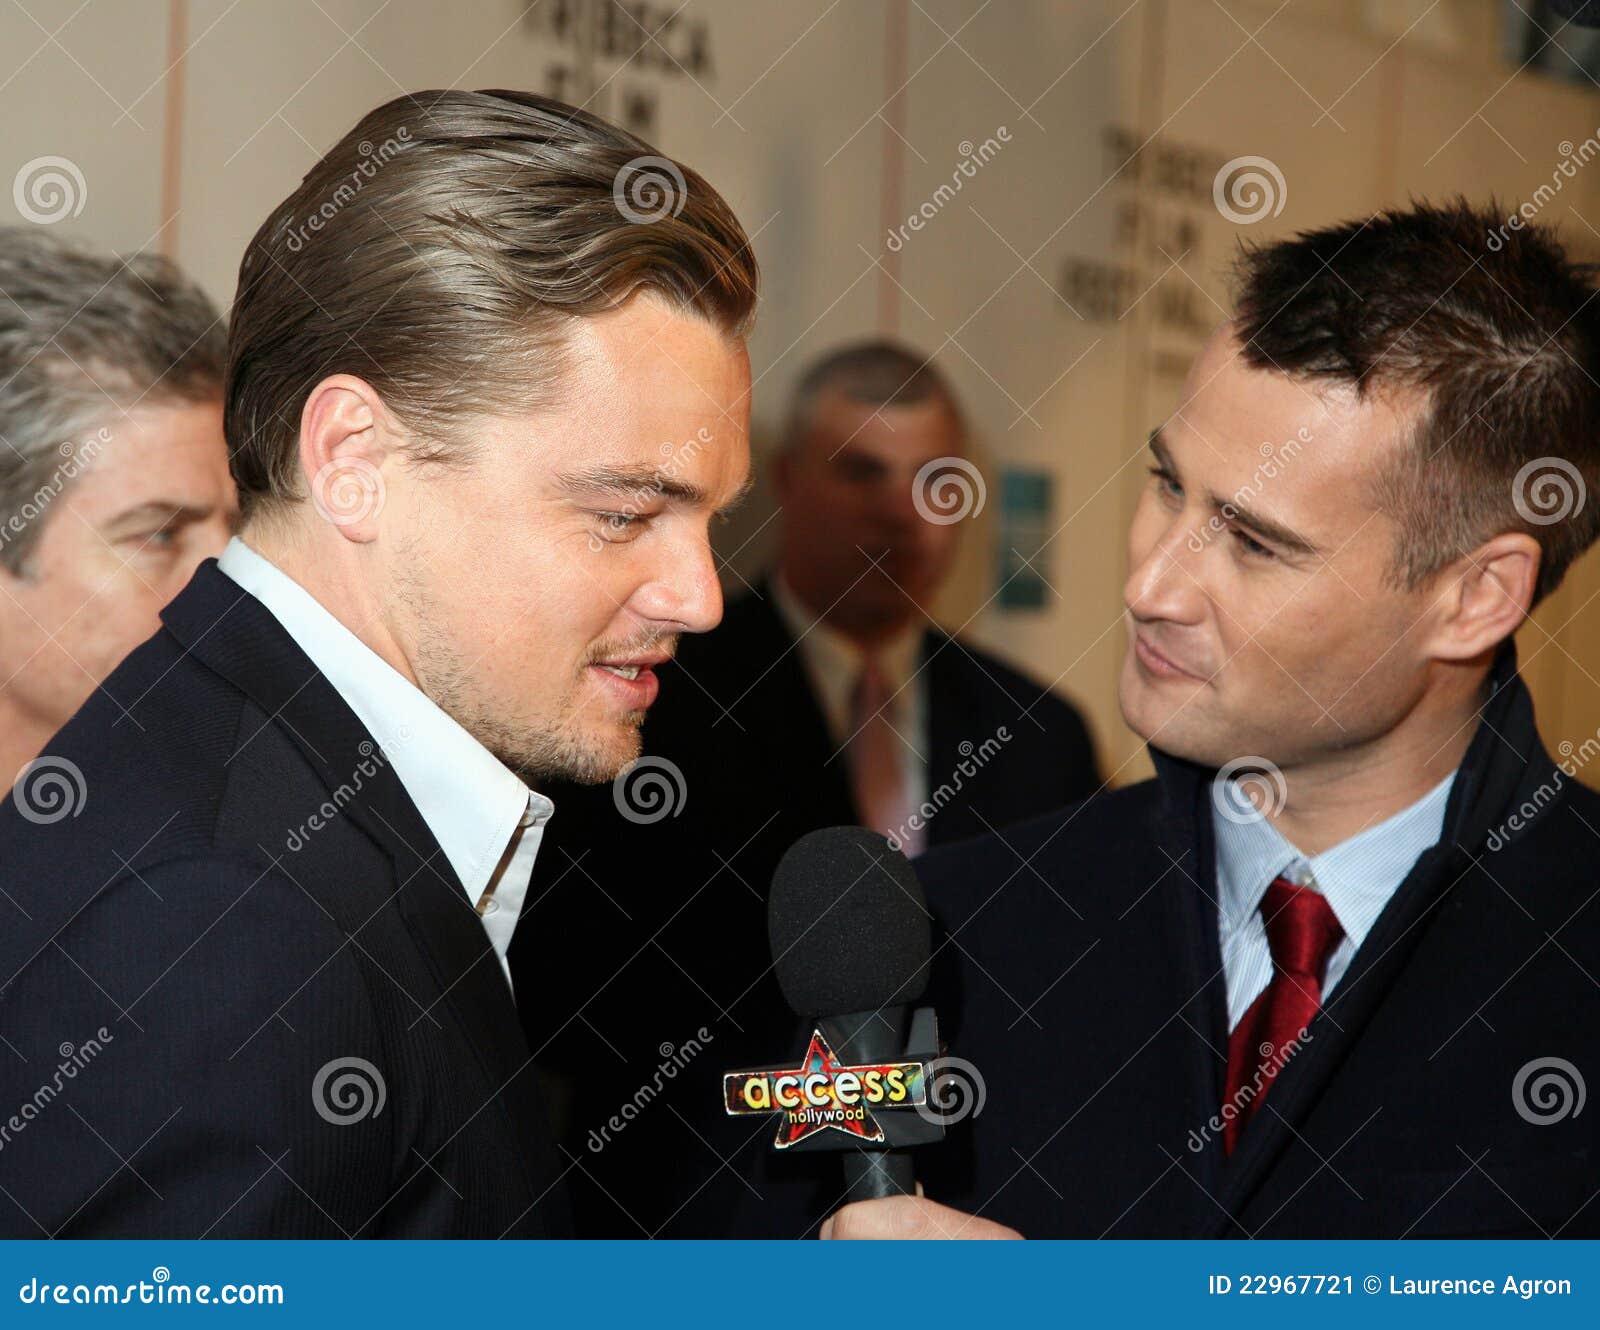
1062	286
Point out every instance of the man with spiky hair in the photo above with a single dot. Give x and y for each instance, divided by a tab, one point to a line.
457	351
1332	972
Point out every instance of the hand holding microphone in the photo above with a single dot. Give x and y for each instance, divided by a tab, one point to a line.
903	1218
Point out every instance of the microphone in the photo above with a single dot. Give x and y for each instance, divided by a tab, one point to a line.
851	936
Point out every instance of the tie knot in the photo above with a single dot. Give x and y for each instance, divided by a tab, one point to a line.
1302	930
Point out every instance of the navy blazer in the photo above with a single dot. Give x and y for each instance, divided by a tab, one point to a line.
243	991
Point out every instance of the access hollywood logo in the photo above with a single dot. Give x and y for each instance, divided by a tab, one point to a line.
822	1093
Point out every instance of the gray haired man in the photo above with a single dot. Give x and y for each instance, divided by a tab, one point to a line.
114	477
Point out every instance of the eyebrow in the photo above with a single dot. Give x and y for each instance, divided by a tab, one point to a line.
1258	524
630	481
167	510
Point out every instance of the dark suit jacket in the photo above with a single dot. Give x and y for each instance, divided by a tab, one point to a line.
738	714
1087	989
244	992
664	922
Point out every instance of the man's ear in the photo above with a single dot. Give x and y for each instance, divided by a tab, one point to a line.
347	438
1489	593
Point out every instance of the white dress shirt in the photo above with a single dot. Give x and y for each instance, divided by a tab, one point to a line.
1356	876
475	806
833	665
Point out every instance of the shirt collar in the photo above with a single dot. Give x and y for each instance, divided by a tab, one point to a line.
833	661
472	802
1357	877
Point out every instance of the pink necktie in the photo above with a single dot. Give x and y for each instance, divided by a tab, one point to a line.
877	780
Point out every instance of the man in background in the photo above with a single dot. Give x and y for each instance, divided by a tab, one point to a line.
114	478
828	695
833	666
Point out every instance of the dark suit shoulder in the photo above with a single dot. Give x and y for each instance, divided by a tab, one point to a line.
1549	840
135	777
202	1018
1087	858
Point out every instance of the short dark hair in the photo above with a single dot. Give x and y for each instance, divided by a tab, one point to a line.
1494	324
85	337
442	249
875	372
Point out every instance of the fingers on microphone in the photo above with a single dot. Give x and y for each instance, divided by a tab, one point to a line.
908	1217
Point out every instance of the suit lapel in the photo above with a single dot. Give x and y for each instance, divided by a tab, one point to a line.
1193	954
231	632
1381	959
1504	759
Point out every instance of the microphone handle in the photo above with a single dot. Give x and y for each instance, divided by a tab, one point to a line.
866	1037
872	1174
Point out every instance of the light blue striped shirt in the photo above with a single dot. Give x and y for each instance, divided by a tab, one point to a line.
1357	876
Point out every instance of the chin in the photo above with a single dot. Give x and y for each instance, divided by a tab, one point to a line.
884	605
590	758
1197	746
605	754
1160	724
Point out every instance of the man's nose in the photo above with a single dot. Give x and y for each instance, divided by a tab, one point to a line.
693	598
892	506
1162	584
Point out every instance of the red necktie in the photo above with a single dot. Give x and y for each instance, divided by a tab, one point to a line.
1302	933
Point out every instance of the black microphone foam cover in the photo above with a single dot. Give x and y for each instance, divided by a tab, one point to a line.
848	923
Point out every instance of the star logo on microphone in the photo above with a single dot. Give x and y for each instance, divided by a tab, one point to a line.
823	1093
